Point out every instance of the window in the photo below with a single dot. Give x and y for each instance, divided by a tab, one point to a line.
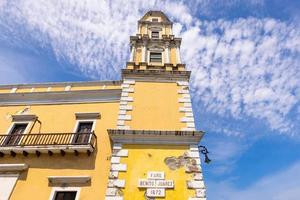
155	57
83	131
154	19
14	136
155	34
65	195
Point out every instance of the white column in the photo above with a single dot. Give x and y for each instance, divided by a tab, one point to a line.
8	182
132	52
144	53
178	55
167	54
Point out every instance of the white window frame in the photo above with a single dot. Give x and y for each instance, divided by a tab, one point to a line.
78	121
26	131
65	189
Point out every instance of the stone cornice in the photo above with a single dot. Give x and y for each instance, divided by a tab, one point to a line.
155	137
69	179
138	39
62	97
156	75
155	23
13	167
61	84
24	117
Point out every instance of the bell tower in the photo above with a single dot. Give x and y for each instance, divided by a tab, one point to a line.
155	47
155	152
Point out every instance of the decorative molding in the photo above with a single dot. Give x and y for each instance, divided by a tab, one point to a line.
127	87
87	115
45	149
84	96
24	117
155	137
128	99
118	167
115	160
69	179
128	107
114	185
155	75
61	84
13	167
121	153
195	184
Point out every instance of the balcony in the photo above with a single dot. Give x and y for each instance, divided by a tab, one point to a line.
50	143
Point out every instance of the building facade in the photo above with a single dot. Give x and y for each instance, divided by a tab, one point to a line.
131	139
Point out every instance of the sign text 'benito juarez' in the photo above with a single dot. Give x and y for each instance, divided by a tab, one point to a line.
155	184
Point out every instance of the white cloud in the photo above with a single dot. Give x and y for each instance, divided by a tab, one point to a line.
241	68
278	186
225	151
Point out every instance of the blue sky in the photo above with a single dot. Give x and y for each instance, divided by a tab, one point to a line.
245	85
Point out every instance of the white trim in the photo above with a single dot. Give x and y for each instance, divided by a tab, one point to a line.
126	98
28	127
84	120
8	183
127	107
124	117
13	167
69	179
45	149
129	81
60	97
129	90
60	84
62	189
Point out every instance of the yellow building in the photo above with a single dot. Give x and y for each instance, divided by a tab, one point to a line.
131	139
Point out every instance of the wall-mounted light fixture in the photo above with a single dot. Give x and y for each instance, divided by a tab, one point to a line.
203	150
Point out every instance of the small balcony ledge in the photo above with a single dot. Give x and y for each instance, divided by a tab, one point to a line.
50	143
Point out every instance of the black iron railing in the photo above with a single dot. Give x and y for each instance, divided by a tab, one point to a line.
48	139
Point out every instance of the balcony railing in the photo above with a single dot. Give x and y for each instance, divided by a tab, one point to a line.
53	142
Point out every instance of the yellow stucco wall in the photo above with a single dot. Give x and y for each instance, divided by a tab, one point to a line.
61	118
155	106
144	158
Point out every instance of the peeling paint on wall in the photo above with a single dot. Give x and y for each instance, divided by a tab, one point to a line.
190	164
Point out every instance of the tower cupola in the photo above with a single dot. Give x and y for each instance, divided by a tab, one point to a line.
155	47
